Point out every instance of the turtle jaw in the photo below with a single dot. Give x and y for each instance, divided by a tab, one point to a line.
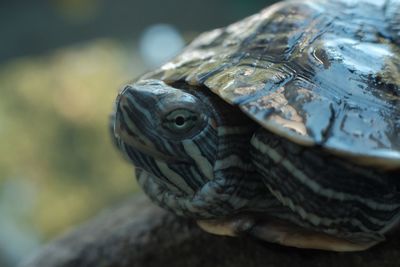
140	147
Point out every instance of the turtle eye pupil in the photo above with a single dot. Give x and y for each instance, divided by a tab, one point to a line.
179	120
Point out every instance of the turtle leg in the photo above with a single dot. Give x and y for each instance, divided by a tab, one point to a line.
280	232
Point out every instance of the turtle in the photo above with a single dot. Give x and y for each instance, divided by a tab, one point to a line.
283	126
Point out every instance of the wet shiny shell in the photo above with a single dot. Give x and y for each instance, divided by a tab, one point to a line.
316	72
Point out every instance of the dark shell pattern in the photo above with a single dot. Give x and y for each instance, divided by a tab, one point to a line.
312	71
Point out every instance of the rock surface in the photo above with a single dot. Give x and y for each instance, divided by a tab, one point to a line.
137	233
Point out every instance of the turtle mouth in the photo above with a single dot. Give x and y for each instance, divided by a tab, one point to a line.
130	140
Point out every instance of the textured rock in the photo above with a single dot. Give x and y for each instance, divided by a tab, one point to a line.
136	233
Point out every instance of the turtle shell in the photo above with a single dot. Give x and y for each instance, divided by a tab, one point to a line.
323	73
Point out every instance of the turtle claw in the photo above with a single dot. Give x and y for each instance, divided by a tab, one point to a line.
294	236
280	232
235	226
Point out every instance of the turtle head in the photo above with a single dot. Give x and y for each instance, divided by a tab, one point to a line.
190	148
170	136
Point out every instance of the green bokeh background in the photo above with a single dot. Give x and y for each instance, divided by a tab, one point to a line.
61	64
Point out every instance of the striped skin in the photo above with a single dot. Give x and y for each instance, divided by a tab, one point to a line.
327	193
206	173
226	164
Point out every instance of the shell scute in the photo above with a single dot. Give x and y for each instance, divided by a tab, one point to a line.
317	72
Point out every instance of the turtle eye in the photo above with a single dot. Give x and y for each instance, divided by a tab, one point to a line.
181	121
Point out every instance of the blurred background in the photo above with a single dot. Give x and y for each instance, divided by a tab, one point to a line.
61	64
